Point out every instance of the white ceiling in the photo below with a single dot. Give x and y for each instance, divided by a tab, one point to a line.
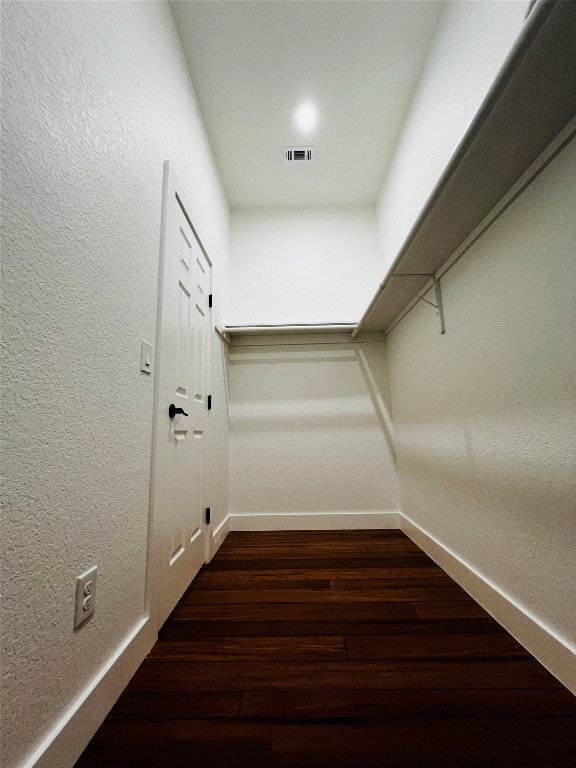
254	63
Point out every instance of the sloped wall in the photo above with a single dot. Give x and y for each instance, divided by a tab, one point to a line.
470	45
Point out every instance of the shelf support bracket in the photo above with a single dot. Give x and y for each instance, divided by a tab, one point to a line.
438	306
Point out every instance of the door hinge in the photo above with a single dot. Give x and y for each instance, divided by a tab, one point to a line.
210	301
207	515
209	402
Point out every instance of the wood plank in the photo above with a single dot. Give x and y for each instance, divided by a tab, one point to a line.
324	550
220	580
176	628
384	547
309	596
319	543
319	648
363	577
303	537
338	675
368	560
179	743
176	705
462	646
466	609
406	742
359	705
296	612
434	580
478	742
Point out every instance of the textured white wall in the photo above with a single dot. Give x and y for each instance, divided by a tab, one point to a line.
302	265
95	96
471	43
485	416
306	432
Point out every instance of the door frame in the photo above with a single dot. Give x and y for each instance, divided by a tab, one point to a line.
172	191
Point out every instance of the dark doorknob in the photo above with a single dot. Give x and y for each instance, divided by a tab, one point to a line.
172	411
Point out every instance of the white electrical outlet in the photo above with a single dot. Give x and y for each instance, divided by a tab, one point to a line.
85	596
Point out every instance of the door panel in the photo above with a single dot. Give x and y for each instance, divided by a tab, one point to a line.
184	337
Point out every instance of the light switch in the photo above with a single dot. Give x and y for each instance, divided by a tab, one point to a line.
146	362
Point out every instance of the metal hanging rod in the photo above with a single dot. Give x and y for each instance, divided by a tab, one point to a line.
289	328
290	325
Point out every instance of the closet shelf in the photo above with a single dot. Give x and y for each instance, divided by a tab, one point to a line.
532	100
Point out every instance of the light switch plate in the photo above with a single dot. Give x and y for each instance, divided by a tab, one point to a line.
146	362
85	596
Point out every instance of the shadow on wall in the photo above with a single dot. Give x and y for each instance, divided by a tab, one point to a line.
310	429
370	359
376	376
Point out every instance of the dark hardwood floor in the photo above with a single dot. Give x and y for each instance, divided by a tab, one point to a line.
341	648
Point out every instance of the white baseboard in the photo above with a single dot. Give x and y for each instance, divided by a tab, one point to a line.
313	521
68	739
218	536
541	641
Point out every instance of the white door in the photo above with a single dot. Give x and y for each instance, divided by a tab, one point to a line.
184	344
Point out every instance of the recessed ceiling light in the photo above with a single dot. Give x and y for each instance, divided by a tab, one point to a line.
306	117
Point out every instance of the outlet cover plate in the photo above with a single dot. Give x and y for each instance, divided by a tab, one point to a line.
85	596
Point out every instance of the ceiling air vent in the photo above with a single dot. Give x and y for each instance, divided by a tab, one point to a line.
299	154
